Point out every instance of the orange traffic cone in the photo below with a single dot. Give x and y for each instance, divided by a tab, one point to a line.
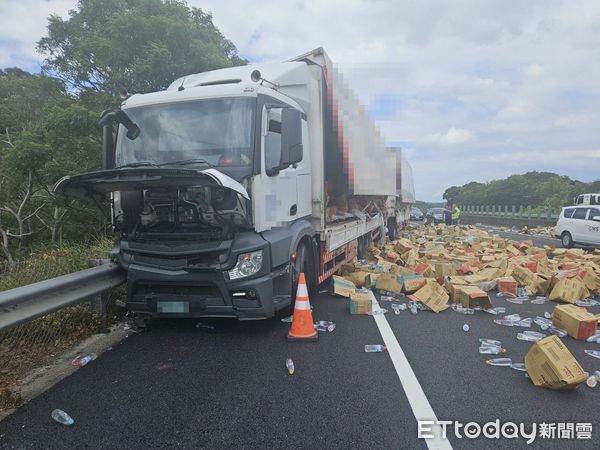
302	328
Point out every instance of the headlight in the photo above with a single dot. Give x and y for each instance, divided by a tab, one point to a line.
247	264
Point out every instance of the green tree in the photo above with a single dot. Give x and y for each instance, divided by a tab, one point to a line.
138	45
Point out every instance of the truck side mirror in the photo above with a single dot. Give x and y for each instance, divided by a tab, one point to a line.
108	141
291	137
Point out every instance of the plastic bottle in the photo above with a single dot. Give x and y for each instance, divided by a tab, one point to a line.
289	364
499	362
377	312
538	301
489	342
506	322
374	348
525	323
594	353
82	361
62	417
517	300
491	350
558	331
518	366
402	307
414	309
548	315
386	298
584	303
463	310
592	381
530	336
497	310
324	325
594	337
466	327
396	309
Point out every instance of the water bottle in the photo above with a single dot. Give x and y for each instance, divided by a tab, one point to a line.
548	315
558	331
507	362
518	366
386	298
594	353
62	417
495	311
396	309
489	342
466	327
324	325
491	350
530	336
374	348
289	364
506	322
80	362
525	323
592	381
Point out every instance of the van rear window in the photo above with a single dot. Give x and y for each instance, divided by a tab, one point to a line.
568	213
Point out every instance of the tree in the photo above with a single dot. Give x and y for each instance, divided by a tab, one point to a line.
138	45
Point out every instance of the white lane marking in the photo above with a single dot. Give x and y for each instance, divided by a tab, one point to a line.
421	408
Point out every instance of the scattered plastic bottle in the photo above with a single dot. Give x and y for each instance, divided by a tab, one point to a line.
414	309
466	327
496	311
489	342
462	310
548	315
62	417
324	325
402	307
538	301
386	298
594	353
585	303
287	319
525	323
518	366
491	350
505	362
396	309
506	322
530	336
592	381
594	338
558	331
289	364
82	361
374	348
518	300
521	291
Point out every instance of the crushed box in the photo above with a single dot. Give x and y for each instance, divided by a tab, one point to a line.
432	295
550	364
471	296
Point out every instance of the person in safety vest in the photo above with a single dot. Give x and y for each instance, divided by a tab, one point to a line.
455	215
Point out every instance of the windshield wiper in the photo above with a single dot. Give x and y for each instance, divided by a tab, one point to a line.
185	162
139	164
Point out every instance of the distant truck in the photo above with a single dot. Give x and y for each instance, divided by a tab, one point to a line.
228	184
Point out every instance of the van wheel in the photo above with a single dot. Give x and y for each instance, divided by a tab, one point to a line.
567	239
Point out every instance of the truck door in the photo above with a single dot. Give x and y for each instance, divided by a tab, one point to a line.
274	191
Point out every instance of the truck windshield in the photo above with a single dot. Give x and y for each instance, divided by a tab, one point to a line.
216	131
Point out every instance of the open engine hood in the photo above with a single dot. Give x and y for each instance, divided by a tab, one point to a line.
94	184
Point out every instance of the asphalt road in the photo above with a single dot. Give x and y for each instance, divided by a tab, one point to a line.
178	386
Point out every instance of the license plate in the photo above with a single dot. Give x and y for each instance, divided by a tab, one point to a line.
173	307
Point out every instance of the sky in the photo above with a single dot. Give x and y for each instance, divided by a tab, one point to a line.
471	90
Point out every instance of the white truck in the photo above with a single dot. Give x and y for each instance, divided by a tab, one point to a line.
228	184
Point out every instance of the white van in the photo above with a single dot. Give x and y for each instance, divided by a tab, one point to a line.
579	225
587	199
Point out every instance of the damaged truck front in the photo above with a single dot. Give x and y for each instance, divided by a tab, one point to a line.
227	185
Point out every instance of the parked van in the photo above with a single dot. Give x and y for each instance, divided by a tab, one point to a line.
587	199
579	225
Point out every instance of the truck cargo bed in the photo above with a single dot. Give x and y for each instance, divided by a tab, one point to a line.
336	235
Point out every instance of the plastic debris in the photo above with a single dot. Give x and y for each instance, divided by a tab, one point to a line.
518	300
594	338
503	362
491	350
466	327
518	366
62	417
558	331
594	353
539	301
548	315
374	348
530	336
324	325
386	298
206	326
289	364
592	381
82	361
496	311
489	342
414	309
462	310
287	319
525	323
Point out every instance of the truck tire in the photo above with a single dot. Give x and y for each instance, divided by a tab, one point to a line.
300	264
567	239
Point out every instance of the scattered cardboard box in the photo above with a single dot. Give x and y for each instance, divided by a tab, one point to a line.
576	321
342	286
361	302
471	297
569	290
388	282
550	364
433	296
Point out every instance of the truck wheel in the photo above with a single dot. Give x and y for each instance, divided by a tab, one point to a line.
300	264
567	239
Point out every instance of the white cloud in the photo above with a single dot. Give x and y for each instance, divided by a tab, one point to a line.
453	136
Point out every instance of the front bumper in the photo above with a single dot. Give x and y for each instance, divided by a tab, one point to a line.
190	294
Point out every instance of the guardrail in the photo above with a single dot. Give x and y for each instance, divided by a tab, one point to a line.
513	212
26	303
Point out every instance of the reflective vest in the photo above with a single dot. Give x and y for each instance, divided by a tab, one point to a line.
455	213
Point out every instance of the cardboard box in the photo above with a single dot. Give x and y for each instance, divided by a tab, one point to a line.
413	284
471	297
569	290
576	321
444	269
361	302
507	284
550	364
388	282
590	279
342	286
359	278
433	296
